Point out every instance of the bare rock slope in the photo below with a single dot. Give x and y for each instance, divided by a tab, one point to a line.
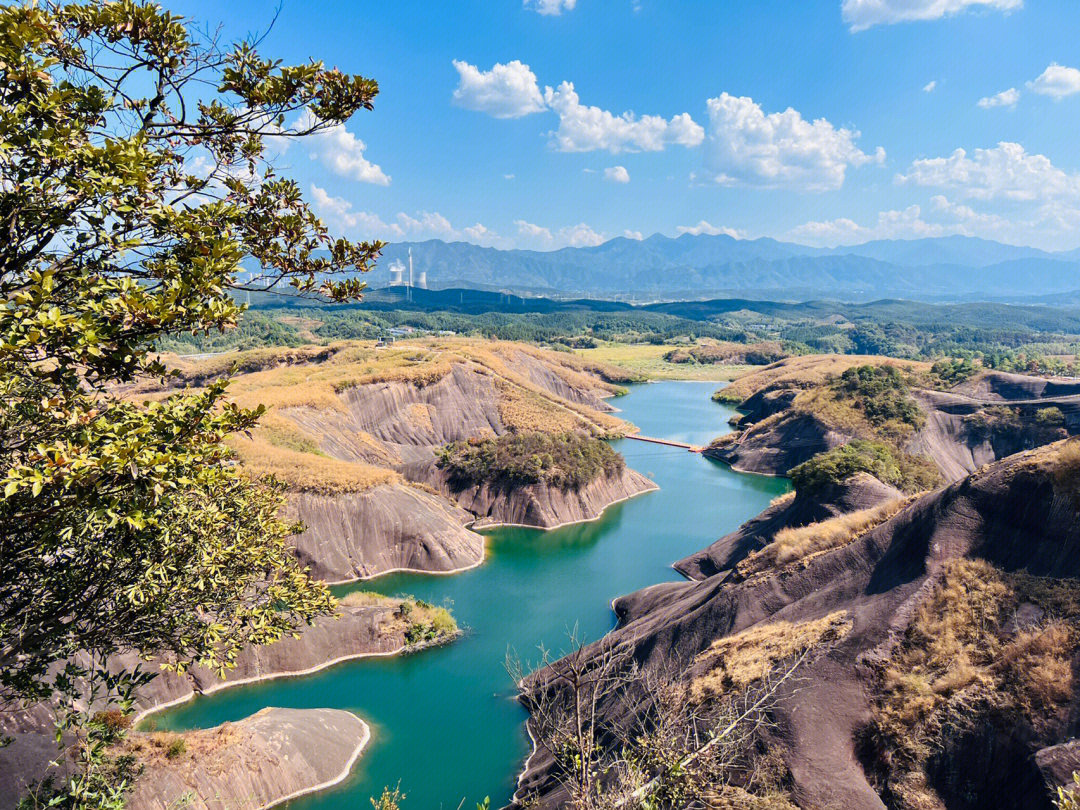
360	631
962	428
261	761
391	527
545	506
1012	529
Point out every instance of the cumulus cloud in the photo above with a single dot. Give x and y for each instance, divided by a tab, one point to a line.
863	14
341	152
506	91
1006	98
1004	172
778	150
1052	226
585	129
905	224
541	238
550	7
709	229
341	214
930	86
637	236
1057	81
617	174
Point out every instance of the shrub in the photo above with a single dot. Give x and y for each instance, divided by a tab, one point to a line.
905	472
177	748
951	371
881	393
564	460
113	721
754	354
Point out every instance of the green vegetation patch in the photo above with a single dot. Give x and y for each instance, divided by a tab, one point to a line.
754	354
881	393
564	460
905	472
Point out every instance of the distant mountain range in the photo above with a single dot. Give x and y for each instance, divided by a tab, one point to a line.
698	267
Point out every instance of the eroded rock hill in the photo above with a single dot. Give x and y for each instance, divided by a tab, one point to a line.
260	761
942	687
787	421
390	527
354	430
542	505
860	491
360	631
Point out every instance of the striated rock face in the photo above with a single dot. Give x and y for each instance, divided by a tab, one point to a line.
860	491
360	631
545	506
773	437
543	376
1011	515
387	528
263	760
775	445
411	420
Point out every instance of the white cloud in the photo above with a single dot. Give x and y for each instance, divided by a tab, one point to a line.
1006	98
637	236
541	238
506	91
905	224
508	177
862	14
1005	172
1052	226
550	6
584	129
617	174
778	150
340	213
709	229
341	152
1057	81
930	86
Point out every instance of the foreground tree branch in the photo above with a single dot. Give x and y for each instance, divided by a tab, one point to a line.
135	179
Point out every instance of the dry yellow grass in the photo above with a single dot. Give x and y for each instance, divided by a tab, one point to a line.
807	371
407	613
961	651
806	542
780	500
185	750
737	661
307	472
298	384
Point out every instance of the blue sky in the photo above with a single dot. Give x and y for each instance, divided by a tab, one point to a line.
555	122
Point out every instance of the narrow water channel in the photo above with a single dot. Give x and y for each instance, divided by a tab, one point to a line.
444	721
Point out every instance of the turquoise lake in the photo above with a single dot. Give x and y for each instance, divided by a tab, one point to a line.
444	721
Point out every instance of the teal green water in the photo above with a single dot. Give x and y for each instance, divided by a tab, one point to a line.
444	721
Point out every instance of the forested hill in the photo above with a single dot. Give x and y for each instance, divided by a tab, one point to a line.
689	267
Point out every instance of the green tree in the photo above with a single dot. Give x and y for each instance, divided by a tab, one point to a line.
134	180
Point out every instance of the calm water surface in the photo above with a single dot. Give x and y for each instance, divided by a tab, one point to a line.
444	722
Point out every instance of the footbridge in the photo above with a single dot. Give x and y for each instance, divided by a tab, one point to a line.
693	448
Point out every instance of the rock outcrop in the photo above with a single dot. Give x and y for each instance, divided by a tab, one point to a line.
775	434
542	505
359	632
860	491
1018	515
261	761
777	443
392	527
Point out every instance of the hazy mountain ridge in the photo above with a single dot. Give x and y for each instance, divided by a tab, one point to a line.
697	266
